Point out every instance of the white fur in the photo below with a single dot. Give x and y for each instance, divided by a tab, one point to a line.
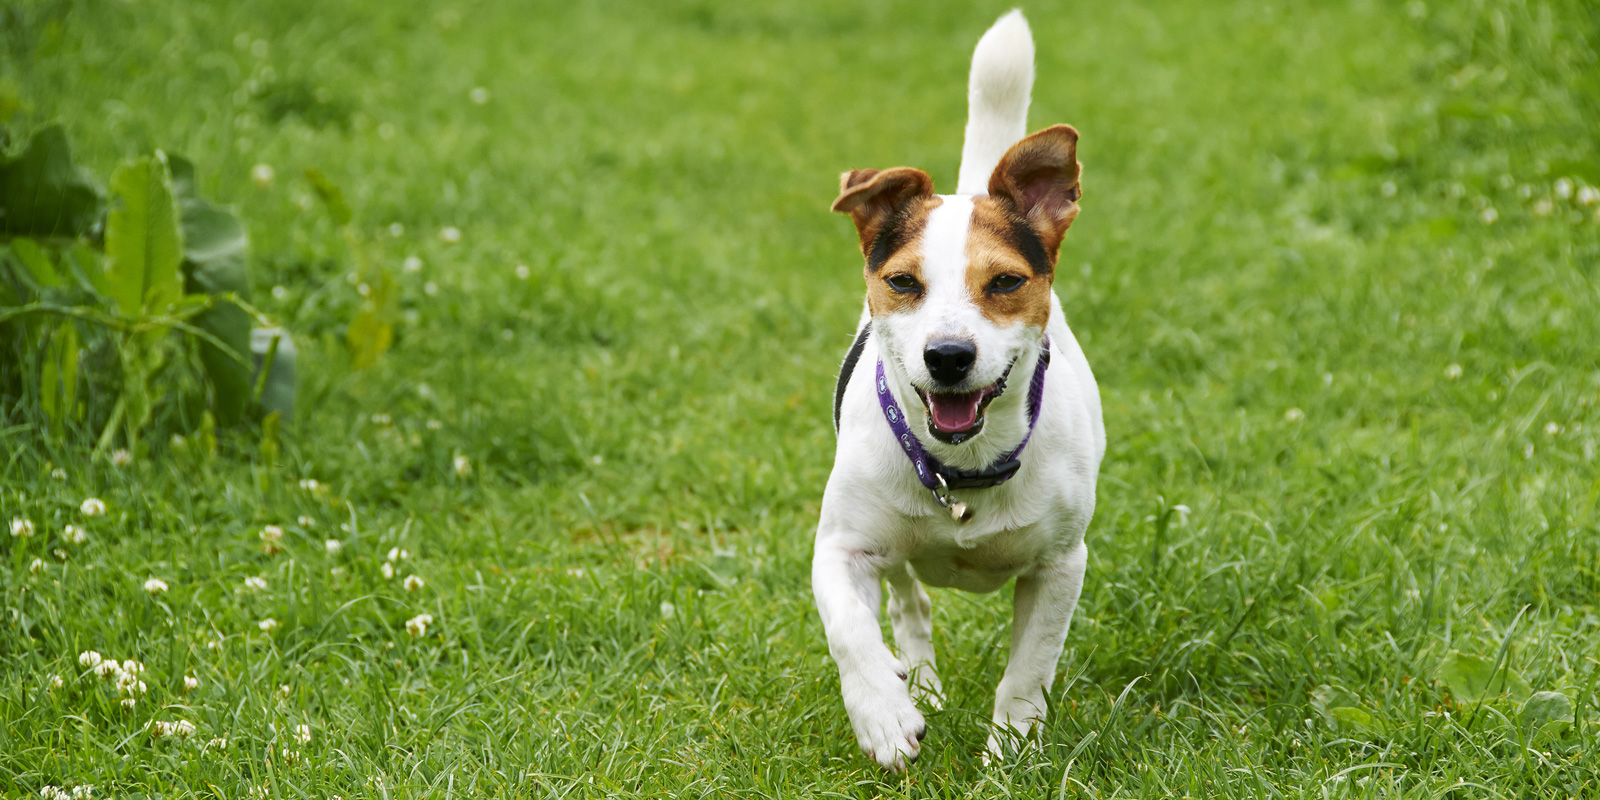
997	100
878	523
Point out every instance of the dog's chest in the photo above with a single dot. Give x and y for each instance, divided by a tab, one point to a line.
982	567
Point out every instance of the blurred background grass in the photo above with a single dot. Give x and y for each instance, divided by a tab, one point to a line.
1335	273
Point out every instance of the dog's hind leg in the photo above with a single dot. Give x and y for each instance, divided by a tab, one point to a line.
911	614
1043	604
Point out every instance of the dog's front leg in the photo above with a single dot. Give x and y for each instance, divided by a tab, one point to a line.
848	589
1044	601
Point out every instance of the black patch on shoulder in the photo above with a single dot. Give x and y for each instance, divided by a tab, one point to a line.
849	367
1026	240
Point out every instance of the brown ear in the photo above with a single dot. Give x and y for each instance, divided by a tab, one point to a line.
1039	176
872	197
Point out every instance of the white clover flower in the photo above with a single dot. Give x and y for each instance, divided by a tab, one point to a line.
267	625
36	566
58	474
61	555
214	645
1552	428
1489	215
255	584
89	659
1388	189
413	582
479	95
1294	415
133	667
280	292
668	610
575	572
54	682
82	792
522	272
310	484
155	586
129	702
108	669
462	465
75	534
1563	188
190	683
381	419
1543	207
21	526
430	288
302	733
1589	195
398	554
284	690
396	229
160	728
183	728
1453	372
131	686
434	425
418	625
262	174
387	569
305	521
121	458
271	539
93	507
412	264
333	546
217	742
450	233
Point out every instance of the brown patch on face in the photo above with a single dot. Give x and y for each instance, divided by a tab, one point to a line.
876	200
896	250
1001	243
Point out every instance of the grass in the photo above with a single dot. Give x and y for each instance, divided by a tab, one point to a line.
1335	273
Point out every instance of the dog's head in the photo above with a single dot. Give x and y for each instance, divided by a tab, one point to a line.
959	286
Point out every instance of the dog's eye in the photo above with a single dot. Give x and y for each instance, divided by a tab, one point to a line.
904	284
1006	283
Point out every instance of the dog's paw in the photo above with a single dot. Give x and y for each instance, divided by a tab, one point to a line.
888	725
1013	721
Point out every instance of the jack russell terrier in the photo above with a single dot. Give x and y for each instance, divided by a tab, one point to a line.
968	419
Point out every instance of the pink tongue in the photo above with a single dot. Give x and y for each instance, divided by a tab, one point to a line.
954	413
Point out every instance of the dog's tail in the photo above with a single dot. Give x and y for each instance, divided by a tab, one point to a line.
997	100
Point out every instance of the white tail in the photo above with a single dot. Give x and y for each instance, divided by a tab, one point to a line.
997	100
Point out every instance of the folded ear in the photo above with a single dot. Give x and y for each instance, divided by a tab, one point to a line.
1039	176
873	197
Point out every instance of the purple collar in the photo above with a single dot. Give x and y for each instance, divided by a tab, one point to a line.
939	478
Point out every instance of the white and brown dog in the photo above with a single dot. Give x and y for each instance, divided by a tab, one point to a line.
969	421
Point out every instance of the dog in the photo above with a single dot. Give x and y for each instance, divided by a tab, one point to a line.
968	420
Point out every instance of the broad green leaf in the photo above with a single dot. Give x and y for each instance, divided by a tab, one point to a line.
368	336
1349	719
331	197
1545	708
278	384
43	193
1325	698
1472	679
227	372
87	266
58	385
144	244
215	248
37	261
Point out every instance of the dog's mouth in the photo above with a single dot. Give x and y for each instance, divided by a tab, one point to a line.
955	417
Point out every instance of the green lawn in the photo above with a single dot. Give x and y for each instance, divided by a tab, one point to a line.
1336	272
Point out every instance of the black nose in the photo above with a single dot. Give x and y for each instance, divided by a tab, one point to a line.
949	360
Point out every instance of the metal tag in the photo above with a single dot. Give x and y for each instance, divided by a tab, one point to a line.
959	511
